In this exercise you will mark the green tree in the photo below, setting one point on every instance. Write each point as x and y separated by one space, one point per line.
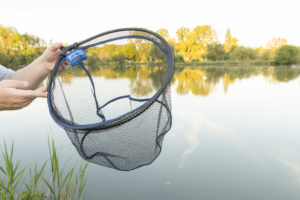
216 52
178 58
243 53
4 59
17 61
93 62
120 57
287 54
265 54
229 41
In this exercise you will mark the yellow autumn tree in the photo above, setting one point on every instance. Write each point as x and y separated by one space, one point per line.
192 45
229 41
200 38
182 46
11 41
164 33
275 44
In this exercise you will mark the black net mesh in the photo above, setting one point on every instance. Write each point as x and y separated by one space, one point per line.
115 106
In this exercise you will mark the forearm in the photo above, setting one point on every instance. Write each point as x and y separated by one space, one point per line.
39 69
34 73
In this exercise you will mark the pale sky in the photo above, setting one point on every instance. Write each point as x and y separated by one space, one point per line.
252 22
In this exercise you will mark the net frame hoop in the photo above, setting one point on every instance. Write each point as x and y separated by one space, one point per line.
123 118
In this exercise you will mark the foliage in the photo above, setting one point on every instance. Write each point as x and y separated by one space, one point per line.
4 59
242 53
120 57
190 45
156 54
182 46
129 51
265 54
216 52
93 61
32 184
287 54
229 41
164 33
178 58
274 45
18 49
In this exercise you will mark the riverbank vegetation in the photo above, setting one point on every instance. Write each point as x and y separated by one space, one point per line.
48 181
199 45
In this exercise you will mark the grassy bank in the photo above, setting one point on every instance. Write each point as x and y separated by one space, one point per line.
32 183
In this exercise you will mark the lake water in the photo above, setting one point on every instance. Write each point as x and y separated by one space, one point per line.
235 135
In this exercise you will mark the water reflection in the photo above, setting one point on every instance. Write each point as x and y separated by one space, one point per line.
146 79
240 145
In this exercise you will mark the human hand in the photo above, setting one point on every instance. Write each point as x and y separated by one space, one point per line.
50 56
13 96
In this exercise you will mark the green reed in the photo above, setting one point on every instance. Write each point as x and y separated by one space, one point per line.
33 184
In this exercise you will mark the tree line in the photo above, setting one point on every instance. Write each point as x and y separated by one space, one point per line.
190 45
19 49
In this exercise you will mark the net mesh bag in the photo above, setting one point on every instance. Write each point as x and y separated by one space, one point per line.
111 94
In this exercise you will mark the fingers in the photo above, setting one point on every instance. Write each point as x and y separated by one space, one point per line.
13 96
32 94
63 66
21 105
27 96
20 87
55 46
41 92
15 84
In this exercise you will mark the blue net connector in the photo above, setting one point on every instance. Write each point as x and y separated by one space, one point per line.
76 56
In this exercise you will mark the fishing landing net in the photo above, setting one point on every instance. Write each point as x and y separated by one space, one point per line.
111 94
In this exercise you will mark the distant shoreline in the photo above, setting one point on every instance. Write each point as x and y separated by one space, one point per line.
228 63
203 63
206 63
195 64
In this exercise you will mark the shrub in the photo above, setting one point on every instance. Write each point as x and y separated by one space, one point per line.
287 54
119 57
178 58
243 53
216 52
4 59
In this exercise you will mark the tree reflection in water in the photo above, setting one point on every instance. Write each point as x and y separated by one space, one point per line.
145 79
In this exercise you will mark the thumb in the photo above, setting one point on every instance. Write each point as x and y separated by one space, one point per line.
15 84
56 46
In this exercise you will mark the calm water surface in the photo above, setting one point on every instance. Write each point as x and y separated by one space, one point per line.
235 135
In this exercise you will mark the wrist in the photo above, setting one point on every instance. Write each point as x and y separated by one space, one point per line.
45 64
